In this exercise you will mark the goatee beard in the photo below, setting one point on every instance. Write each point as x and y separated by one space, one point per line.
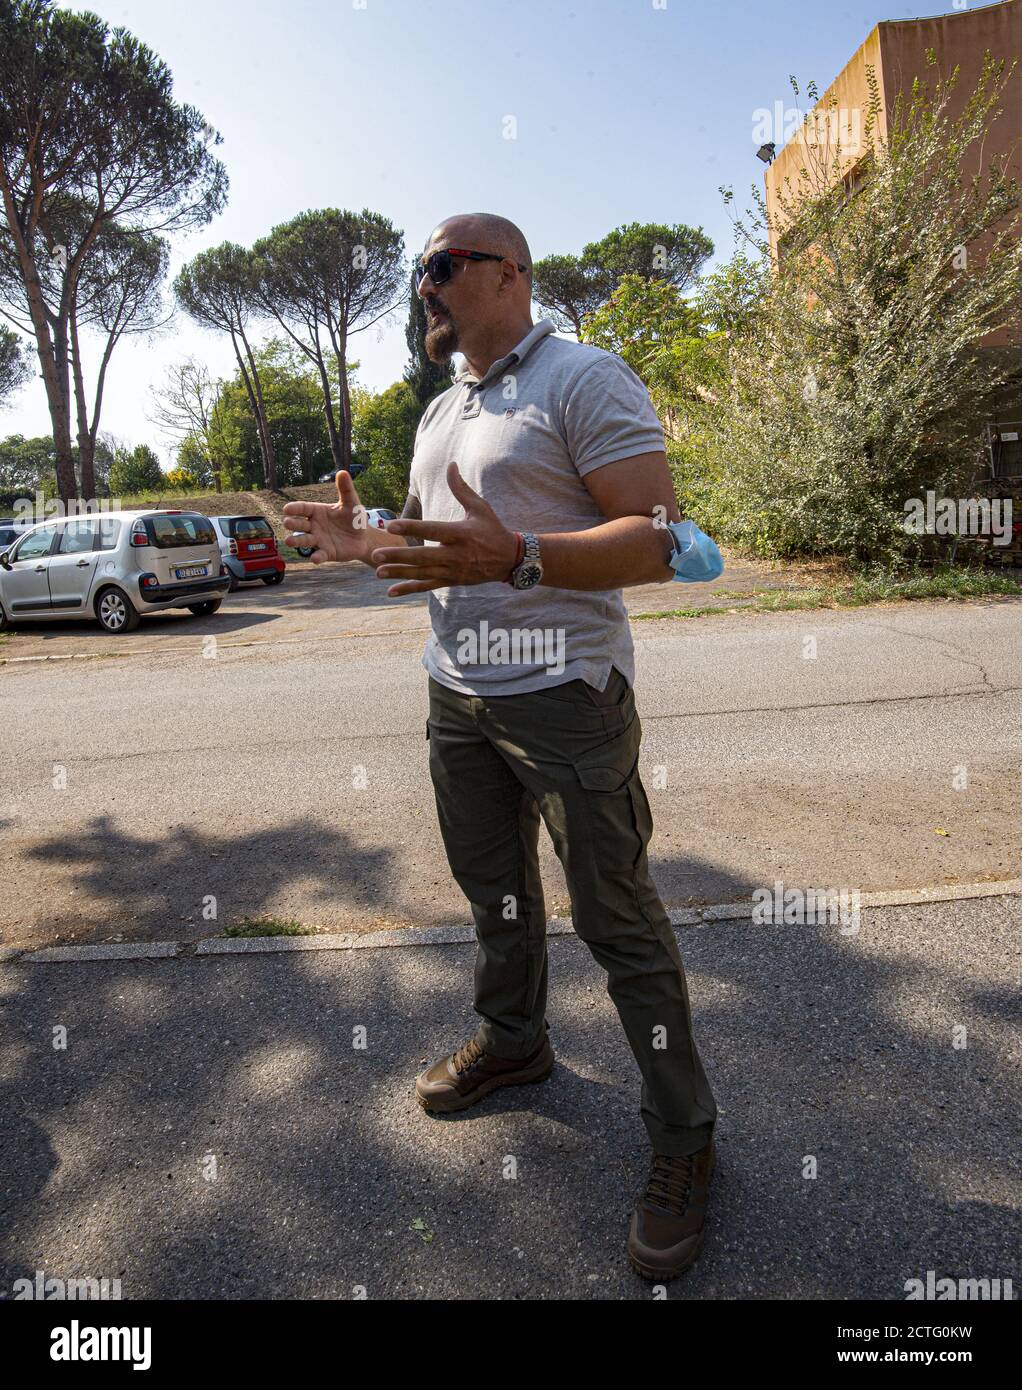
441 341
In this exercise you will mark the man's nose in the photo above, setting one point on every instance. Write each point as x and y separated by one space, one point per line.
426 282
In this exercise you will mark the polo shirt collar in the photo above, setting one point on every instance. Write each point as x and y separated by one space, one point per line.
536 334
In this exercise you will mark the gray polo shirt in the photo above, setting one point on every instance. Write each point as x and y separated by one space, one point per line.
524 437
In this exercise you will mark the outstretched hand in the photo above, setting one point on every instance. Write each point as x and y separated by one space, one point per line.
338 530
477 550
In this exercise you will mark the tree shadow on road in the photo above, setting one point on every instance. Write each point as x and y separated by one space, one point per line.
293 1074
191 883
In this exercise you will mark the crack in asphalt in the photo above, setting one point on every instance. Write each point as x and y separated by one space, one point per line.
319 739
959 655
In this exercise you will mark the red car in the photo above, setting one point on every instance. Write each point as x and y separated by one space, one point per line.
249 549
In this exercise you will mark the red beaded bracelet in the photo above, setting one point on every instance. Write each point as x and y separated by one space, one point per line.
519 556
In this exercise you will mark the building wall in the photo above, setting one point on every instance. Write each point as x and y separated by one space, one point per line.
847 94
896 52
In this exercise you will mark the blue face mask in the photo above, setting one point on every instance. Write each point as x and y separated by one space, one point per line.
696 558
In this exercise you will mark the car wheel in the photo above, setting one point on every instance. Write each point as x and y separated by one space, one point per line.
204 609
305 551
277 578
5 622
234 585
116 612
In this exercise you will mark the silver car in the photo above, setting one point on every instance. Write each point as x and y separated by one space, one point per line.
113 567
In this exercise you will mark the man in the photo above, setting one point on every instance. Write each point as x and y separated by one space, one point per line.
543 480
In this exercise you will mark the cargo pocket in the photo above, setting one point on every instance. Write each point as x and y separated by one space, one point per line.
608 868
609 767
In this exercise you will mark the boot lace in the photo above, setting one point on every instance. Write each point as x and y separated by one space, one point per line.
670 1183
466 1056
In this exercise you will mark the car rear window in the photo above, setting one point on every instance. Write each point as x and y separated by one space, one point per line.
170 532
8 535
245 527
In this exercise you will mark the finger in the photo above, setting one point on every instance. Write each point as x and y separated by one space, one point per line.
408 572
346 493
408 555
416 587
467 496
298 540
426 530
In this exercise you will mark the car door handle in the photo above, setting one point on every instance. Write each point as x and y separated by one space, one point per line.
82 563
40 569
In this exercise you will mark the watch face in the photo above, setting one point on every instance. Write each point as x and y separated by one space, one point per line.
529 575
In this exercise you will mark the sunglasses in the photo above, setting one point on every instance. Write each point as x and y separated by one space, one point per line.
439 267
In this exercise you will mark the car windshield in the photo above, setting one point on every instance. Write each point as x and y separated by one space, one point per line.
168 532
247 527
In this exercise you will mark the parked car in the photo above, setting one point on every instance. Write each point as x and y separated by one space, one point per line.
113 567
354 470
248 548
10 530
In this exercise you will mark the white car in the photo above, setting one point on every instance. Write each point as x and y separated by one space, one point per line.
113 567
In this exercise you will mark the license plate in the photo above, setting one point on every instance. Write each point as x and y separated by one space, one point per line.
191 572
257 547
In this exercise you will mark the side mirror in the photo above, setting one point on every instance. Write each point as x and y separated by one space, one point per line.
5 562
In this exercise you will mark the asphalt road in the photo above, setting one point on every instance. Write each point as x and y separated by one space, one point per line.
283 771
211 1131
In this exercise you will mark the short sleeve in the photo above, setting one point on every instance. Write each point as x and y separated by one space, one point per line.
609 416
415 445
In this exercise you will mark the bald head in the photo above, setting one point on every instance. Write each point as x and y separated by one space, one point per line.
485 231
483 308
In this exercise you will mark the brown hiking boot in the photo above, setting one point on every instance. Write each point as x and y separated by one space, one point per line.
458 1081
667 1224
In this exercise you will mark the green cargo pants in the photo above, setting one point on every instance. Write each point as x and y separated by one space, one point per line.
568 753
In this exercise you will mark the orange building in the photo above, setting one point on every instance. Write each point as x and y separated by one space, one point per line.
895 54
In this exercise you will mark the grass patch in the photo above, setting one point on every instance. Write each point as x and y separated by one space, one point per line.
268 926
152 497
859 592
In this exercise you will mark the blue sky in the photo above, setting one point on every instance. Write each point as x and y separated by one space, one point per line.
626 110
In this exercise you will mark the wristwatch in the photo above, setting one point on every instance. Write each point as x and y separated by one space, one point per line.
529 571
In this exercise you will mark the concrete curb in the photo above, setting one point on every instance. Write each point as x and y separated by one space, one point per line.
459 935
127 950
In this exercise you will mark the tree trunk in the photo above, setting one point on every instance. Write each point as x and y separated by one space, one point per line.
342 370
244 365
86 436
52 353
336 451
269 454
59 401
